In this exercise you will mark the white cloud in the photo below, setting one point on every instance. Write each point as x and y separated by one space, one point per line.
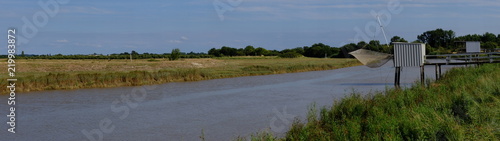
86 10
88 45
180 40
175 41
184 38
62 41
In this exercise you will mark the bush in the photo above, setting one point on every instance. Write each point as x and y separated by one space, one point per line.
175 55
290 55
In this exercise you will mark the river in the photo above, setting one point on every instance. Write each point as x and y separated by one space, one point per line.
222 108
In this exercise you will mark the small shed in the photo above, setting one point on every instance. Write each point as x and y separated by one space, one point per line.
409 54
469 46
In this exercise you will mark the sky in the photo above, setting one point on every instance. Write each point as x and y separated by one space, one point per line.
158 26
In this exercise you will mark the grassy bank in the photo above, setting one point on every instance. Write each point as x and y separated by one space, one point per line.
43 74
464 105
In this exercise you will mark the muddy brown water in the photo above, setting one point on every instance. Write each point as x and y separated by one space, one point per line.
223 108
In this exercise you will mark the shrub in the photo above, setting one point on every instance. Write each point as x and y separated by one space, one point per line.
175 55
290 55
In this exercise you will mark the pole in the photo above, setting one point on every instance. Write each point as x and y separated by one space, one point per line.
422 74
397 77
383 31
437 72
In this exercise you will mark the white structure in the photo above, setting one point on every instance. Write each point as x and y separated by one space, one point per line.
472 46
409 54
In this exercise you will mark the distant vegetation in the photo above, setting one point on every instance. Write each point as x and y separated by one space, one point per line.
464 105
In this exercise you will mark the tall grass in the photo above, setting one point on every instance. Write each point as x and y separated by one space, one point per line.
464 105
38 81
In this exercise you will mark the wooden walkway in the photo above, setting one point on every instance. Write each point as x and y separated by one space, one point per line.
453 59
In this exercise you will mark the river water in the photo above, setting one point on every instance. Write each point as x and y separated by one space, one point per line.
222 109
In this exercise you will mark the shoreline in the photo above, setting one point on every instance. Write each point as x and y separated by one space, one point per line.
80 76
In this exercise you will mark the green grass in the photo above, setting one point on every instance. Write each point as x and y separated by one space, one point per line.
464 105
39 74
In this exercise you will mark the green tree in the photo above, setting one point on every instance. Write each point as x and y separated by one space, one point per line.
215 52
240 52
489 45
361 44
261 51
134 53
249 50
175 55
488 37
473 37
291 54
272 53
320 50
228 51
346 49
298 50
498 39
375 46
438 38
398 39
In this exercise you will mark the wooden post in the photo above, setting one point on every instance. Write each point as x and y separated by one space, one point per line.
437 71
422 74
397 77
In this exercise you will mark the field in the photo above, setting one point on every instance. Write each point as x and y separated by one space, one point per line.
53 74
464 105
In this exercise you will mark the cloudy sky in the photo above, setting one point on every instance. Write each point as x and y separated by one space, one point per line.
158 26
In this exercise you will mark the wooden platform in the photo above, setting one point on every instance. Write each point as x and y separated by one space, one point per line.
452 59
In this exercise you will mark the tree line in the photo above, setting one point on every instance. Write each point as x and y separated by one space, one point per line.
318 50
176 54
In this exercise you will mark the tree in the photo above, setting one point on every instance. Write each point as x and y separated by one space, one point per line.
249 50
22 53
298 50
474 37
320 50
215 52
438 38
261 51
488 37
228 51
498 39
176 53
417 41
272 53
374 45
134 53
361 44
346 49
240 52
290 55
398 39
489 45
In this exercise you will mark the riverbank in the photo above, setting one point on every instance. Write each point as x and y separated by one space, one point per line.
44 74
464 105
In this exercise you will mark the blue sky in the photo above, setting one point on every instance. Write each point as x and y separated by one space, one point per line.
158 26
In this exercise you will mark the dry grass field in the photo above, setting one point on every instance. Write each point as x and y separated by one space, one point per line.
43 74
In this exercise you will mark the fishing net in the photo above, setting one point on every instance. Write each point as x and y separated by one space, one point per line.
370 58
